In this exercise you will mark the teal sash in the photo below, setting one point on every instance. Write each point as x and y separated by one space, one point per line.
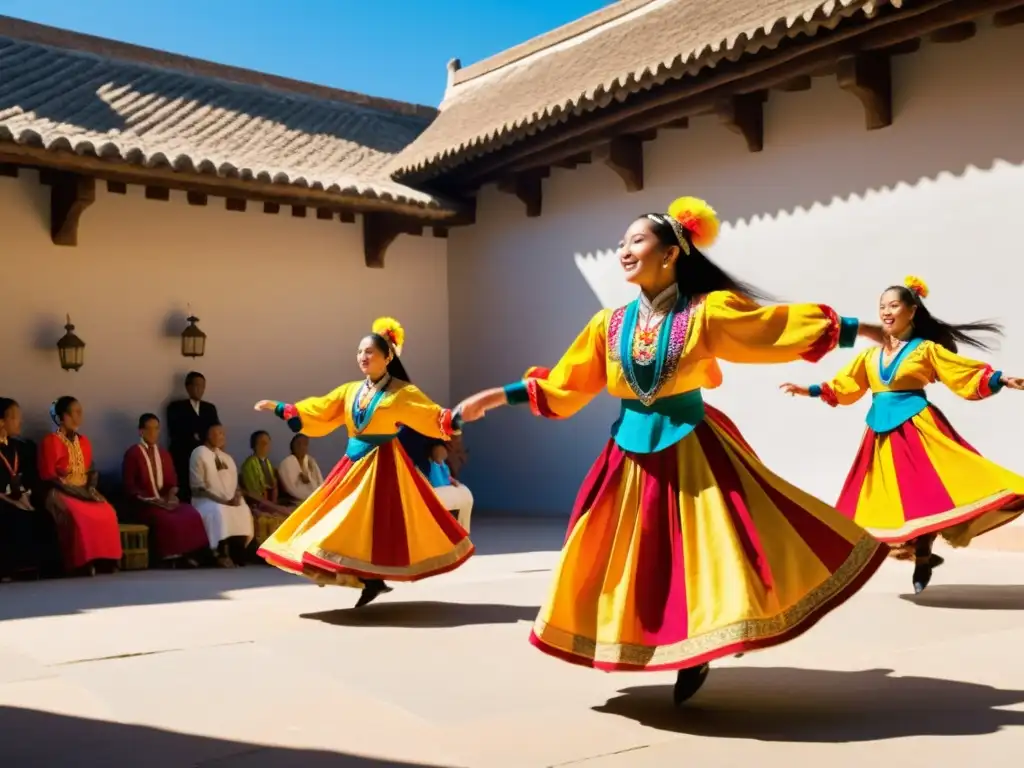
361 446
651 428
891 409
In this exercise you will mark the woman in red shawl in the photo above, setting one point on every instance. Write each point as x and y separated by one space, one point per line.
151 485
86 523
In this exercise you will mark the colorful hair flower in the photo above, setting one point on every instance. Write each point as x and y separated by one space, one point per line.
391 330
916 286
696 217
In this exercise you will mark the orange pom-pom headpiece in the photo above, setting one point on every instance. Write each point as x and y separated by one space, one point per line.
916 286
697 218
391 330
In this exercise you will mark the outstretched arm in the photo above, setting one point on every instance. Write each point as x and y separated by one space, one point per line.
966 378
846 388
560 392
314 416
740 330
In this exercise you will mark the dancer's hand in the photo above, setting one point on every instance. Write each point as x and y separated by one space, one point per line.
1012 383
475 406
795 390
265 405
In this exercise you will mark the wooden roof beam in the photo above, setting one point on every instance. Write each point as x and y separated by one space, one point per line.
528 188
1011 17
745 115
955 33
70 195
868 76
625 156
380 231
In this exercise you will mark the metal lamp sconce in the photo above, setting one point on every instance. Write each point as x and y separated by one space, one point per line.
193 340
71 349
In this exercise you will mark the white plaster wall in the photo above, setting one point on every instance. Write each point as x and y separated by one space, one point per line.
284 302
828 212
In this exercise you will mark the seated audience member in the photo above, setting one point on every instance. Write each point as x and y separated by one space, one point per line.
454 495
86 523
213 476
259 480
28 536
150 484
299 474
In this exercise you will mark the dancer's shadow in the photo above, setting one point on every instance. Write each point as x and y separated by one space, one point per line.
807 705
977 597
426 615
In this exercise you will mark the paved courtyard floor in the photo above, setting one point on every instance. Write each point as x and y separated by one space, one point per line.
253 668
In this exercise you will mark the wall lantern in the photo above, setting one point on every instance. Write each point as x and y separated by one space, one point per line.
71 349
193 340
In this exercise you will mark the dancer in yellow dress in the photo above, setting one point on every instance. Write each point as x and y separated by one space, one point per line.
375 517
682 546
914 477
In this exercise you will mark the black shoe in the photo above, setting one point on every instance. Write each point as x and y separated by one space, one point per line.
922 575
688 682
935 561
371 592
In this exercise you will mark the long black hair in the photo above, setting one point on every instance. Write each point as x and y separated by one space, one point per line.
6 404
927 326
696 274
395 367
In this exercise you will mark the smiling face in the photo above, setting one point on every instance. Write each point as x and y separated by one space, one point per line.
371 360
646 261
895 313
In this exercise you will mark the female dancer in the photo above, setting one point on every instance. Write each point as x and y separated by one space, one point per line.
682 547
914 476
375 517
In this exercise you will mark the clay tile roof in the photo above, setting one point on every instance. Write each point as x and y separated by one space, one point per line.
64 91
624 48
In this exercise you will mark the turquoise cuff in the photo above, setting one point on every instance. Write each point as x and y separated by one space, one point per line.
995 382
814 390
457 421
517 394
848 328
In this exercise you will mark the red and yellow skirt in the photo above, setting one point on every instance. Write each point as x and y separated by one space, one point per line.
923 477
680 557
373 518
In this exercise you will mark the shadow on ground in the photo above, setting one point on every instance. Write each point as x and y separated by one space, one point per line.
977 597
58 597
806 705
33 739
426 615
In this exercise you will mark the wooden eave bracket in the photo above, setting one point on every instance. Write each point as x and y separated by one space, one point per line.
868 76
744 115
528 188
70 195
380 231
625 156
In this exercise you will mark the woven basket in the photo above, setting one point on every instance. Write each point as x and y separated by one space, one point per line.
135 544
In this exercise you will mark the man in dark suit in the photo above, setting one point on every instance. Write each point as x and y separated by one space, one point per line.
187 422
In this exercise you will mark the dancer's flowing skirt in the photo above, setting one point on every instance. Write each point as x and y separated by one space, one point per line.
696 552
373 518
924 478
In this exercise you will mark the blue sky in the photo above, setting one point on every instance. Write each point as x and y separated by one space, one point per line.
396 49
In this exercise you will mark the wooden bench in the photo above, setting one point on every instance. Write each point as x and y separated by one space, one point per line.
135 543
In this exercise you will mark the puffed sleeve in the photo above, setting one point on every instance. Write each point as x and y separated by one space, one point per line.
419 413
316 416
740 330
575 380
848 386
966 378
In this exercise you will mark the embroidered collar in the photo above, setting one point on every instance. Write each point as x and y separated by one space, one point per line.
660 304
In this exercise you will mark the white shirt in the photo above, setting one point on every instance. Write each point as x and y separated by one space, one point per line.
289 471
203 472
